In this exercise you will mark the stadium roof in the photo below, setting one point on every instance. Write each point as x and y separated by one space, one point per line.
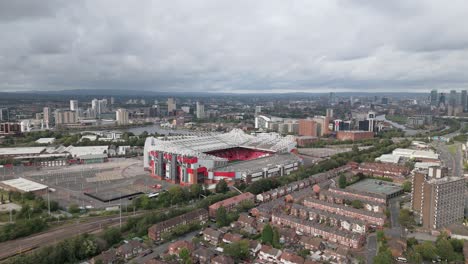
198 145
24 185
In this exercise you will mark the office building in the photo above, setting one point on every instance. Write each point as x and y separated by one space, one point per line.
121 116
200 110
438 202
171 105
63 117
433 98
186 109
442 99
329 113
74 105
4 114
371 118
258 109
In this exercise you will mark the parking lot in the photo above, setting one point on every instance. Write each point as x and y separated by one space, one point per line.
105 183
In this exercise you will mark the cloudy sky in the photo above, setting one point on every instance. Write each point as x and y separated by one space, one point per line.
234 46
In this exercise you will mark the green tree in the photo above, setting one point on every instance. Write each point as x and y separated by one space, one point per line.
221 217
196 190
267 234
355 149
276 238
73 209
184 255
427 250
342 181
357 204
112 236
221 186
406 218
457 244
445 249
384 256
414 257
406 186
238 250
176 194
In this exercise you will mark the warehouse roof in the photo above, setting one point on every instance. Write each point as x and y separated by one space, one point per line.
24 185
83 151
21 151
45 141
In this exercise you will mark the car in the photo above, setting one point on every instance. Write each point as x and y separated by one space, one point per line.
401 259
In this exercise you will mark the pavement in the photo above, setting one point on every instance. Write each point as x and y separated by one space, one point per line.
371 248
453 162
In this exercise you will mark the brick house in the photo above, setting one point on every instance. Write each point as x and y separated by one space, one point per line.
270 254
174 248
196 216
211 235
230 203
203 255
222 260
130 250
290 258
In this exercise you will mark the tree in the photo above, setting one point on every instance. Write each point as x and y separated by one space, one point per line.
276 238
112 236
73 209
184 255
427 250
384 257
357 204
355 149
445 249
222 187
238 250
267 234
342 181
221 217
176 194
406 186
457 244
196 190
411 242
406 218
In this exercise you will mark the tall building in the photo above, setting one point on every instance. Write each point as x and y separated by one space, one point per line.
329 113
112 100
442 99
74 105
464 101
171 105
332 98
307 127
433 99
323 123
63 117
371 118
258 109
99 106
4 114
47 116
453 98
200 110
438 202
121 115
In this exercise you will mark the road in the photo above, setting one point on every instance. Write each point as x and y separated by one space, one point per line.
54 235
452 161
371 248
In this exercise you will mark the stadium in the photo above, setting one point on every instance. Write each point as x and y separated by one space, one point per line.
232 156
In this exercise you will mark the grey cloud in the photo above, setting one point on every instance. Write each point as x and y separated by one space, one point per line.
246 46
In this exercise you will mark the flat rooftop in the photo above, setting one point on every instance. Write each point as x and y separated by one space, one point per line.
21 151
256 165
375 186
24 185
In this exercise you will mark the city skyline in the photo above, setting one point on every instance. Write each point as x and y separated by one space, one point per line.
214 46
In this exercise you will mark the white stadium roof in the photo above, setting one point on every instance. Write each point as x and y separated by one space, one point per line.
197 146
21 151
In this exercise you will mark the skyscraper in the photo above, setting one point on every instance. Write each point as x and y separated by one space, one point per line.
47 116
4 114
200 110
121 115
307 127
453 98
74 105
434 97
99 106
329 113
464 101
171 105
65 117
